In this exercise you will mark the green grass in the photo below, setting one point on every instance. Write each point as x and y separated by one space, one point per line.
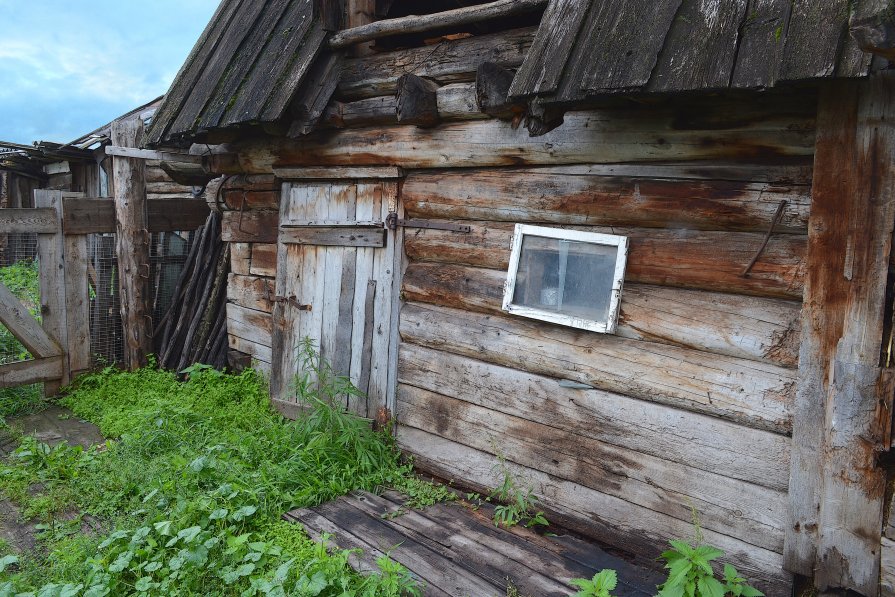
190 492
22 279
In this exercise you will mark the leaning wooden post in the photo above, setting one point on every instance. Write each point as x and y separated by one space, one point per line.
836 489
133 244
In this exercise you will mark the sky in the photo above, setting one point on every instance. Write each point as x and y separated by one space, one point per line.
68 67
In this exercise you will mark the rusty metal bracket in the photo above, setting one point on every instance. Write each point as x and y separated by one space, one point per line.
392 222
291 300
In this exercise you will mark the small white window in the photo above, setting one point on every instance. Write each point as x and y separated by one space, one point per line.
565 276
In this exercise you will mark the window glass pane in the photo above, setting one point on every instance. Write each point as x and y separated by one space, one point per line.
568 277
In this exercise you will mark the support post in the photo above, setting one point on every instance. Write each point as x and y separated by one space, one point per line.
836 488
51 255
133 244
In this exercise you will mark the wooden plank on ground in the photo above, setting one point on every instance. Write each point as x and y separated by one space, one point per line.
47 370
596 514
19 321
707 443
27 220
747 327
748 392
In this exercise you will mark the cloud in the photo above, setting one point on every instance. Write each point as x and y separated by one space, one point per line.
68 67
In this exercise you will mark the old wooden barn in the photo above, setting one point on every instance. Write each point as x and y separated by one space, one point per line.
639 249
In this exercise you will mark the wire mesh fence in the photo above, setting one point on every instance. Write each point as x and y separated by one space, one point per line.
19 272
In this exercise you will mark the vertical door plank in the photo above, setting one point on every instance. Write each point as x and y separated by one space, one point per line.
383 265
77 296
337 210
313 270
342 357
367 206
400 265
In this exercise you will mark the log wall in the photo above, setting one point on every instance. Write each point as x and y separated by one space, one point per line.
688 405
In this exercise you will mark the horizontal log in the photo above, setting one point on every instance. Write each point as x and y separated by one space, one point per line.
454 102
430 22
168 187
258 352
91 216
748 512
683 258
349 173
451 61
598 136
156 174
532 195
249 324
187 196
593 513
149 154
14 220
264 260
236 199
334 236
251 292
23 373
18 320
256 226
747 392
692 439
739 326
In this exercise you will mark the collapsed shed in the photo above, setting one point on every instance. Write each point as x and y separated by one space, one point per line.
735 157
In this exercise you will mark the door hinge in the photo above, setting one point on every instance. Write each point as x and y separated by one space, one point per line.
392 222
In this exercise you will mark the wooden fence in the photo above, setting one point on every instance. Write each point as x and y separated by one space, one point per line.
60 343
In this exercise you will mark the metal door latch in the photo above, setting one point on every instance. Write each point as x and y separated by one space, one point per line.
392 222
291 300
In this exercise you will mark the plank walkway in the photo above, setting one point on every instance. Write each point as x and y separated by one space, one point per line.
456 551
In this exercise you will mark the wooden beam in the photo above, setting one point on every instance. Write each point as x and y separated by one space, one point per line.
22 220
417 101
334 236
24 327
51 254
441 20
150 154
92 216
492 86
836 487
133 243
338 173
23 373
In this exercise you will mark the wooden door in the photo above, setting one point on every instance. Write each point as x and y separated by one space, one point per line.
336 266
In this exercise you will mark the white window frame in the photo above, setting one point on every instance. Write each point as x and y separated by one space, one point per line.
620 242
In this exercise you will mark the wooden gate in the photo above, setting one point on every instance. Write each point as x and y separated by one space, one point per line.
336 266
60 344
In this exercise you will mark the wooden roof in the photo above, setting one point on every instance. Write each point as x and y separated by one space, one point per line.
245 69
586 48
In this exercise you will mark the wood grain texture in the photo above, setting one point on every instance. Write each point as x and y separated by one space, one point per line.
252 292
700 47
707 443
91 216
256 226
762 39
27 220
18 320
51 257
601 136
594 513
264 260
22 373
744 327
451 61
685 258
748 512
754 394
543 196
132 245
240 258
813 37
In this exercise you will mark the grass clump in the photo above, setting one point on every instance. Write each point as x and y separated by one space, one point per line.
191 489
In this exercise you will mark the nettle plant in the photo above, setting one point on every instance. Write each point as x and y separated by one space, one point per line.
518 504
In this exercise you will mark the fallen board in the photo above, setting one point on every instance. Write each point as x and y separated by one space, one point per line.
456 550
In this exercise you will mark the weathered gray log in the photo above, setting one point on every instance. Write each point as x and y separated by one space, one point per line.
186 174
133 241
441 20
416 101
754 394
739 326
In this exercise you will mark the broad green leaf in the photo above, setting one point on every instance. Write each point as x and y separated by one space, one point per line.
709 587
8 560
